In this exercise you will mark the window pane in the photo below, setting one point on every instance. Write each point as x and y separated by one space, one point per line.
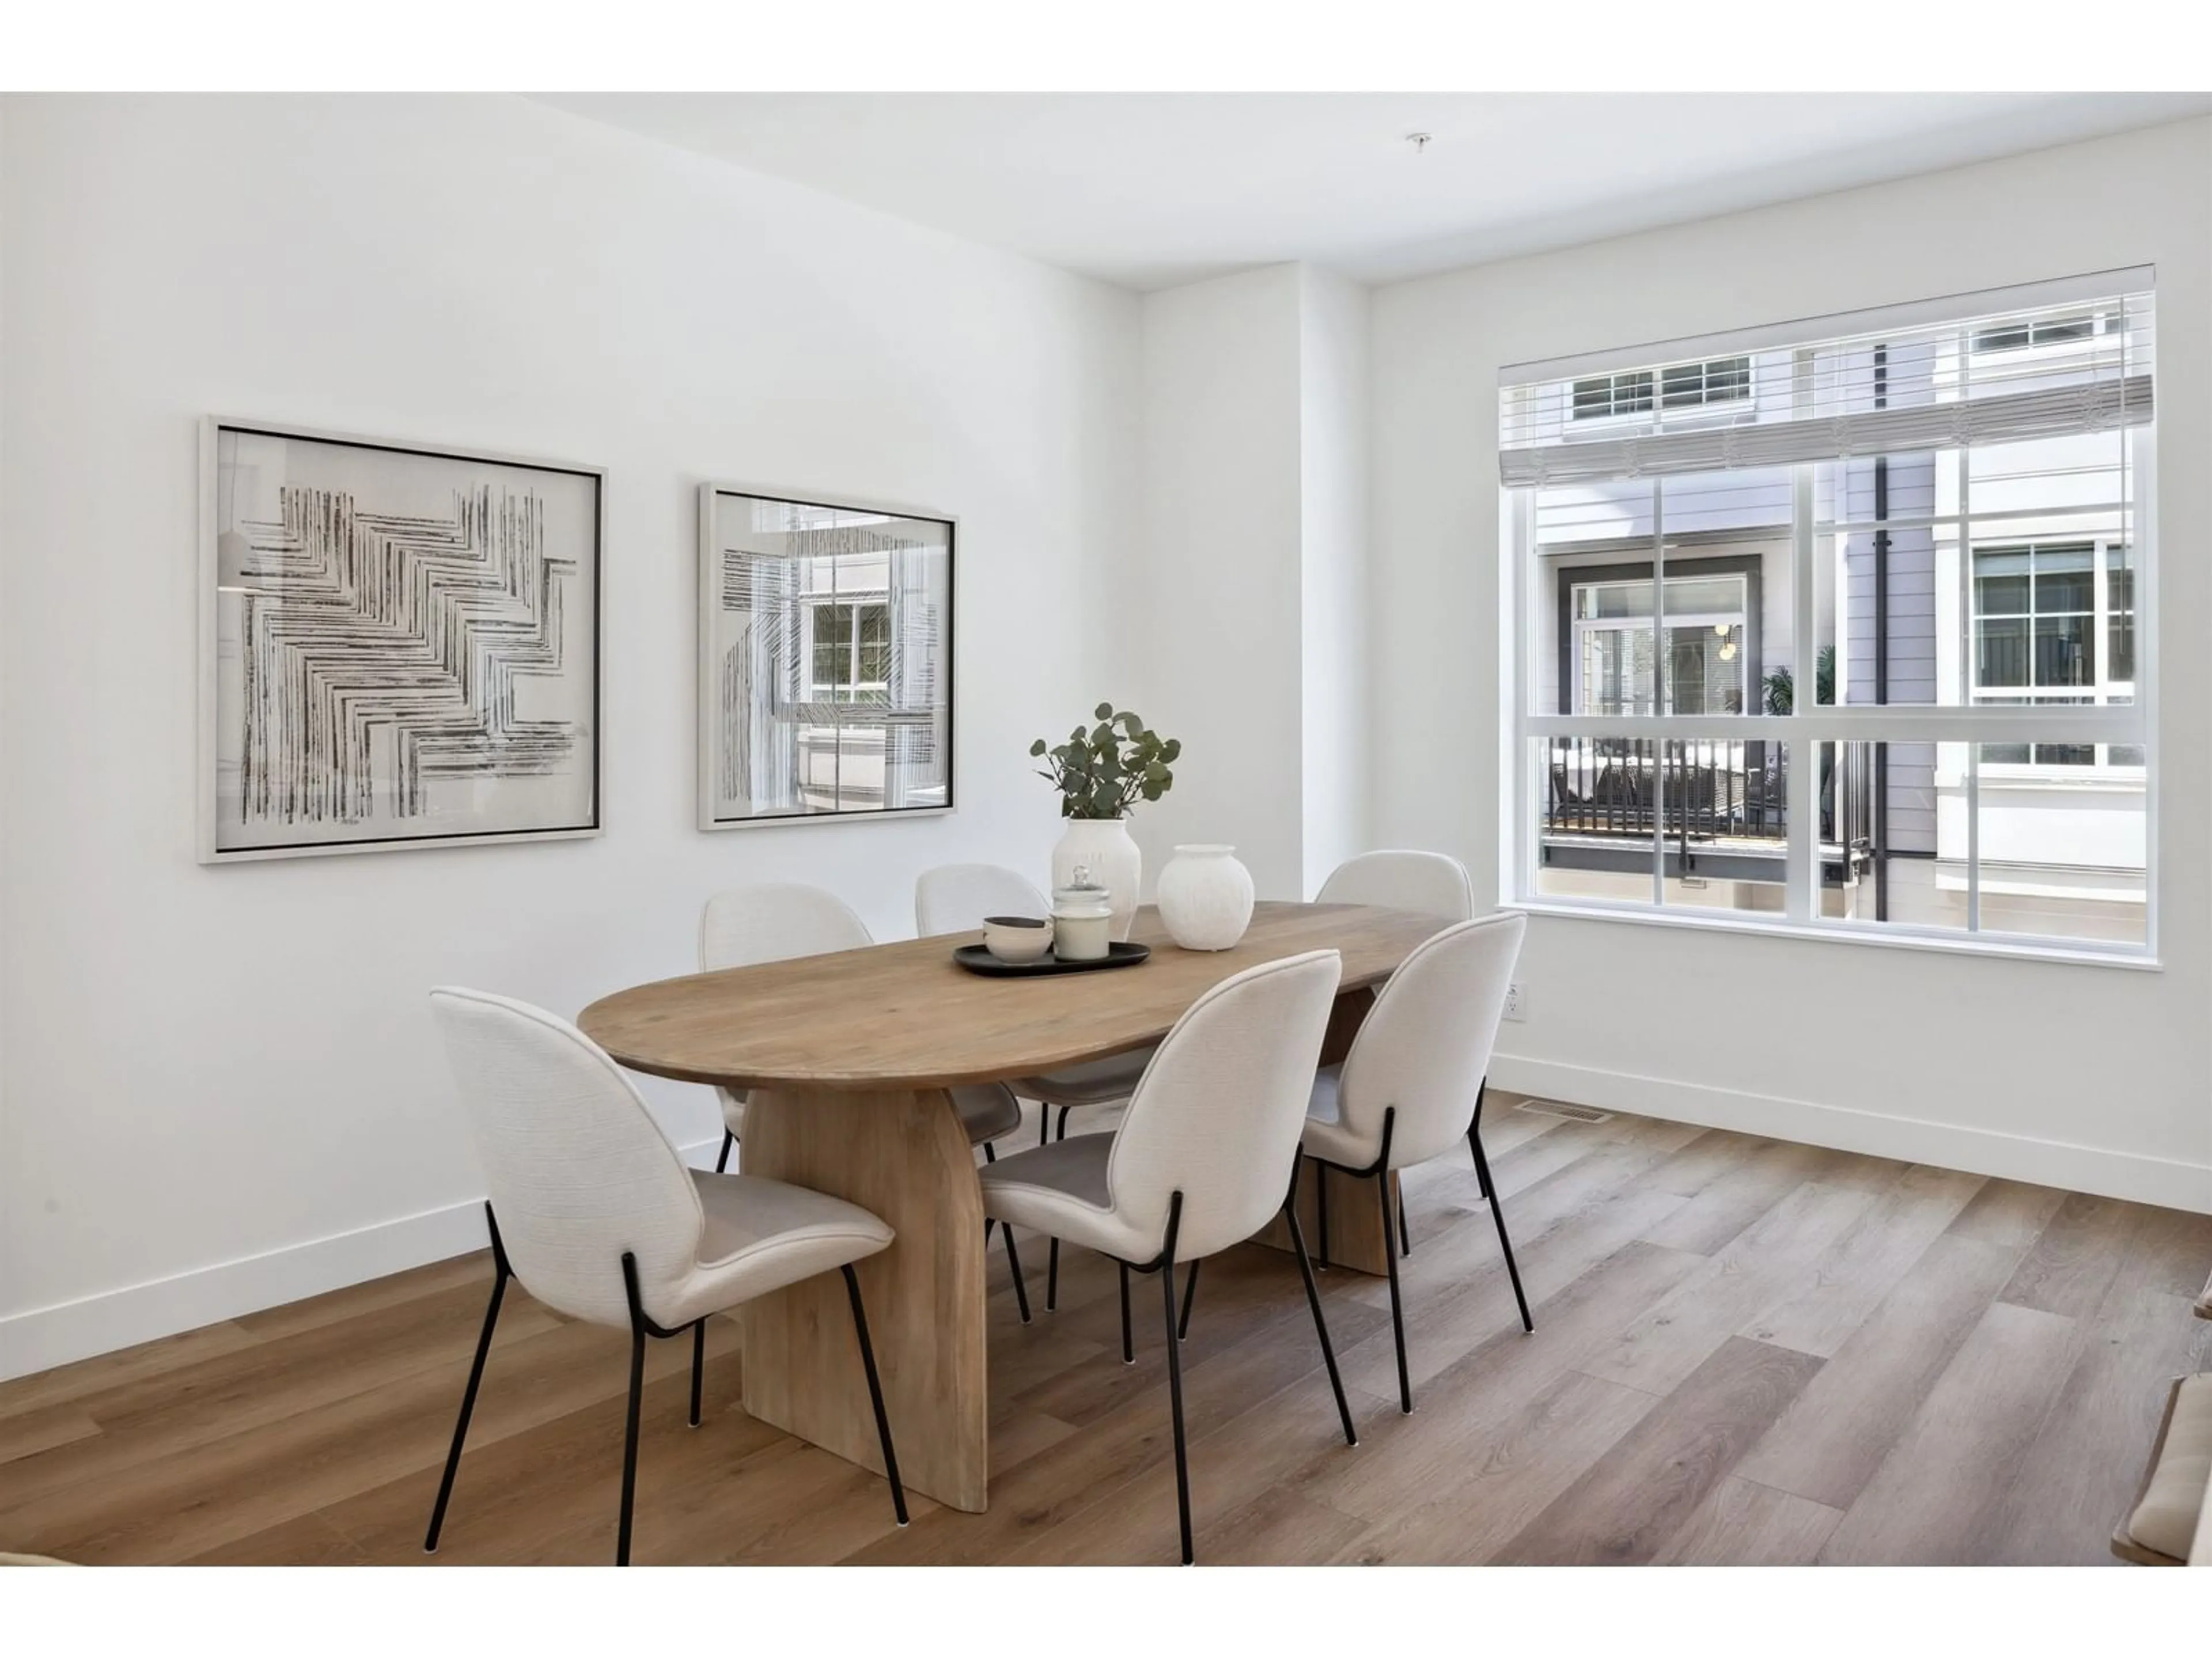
2065 579
2061 848
1885 815
1594 818
1725 822
2000 582
2001 652
2065 650
1616 671
1887 598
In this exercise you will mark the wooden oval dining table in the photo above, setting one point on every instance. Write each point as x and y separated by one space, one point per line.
846 1059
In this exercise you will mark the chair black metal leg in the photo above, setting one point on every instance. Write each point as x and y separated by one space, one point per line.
1397 1306
1052 1277
698 1366
1059 1129
1497 1215
1405 1233
629 1440
1128 1343
1044 1123
501 1274
1189 1297
876 1389
1474 1139
990 1155
1174 1376
1320 1325
1321 1210
1014 1264
722 1163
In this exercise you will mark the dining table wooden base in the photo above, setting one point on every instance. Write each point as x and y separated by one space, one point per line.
903 1155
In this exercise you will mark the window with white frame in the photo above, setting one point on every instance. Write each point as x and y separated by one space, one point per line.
1872 657
1679 386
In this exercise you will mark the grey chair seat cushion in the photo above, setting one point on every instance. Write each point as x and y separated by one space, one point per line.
1324 1135
1061 1189
1094 1083
987 1111
762 1235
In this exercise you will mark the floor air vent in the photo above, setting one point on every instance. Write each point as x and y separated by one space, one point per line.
1560 1108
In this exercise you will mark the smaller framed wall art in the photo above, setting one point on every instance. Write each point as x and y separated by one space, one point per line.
399 647
825 660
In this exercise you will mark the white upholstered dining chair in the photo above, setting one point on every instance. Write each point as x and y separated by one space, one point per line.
778 922
1205 1156
1412 1086
1396 878
954 898
1433 884
594 1210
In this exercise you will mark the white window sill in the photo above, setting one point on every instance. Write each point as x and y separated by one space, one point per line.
1882 936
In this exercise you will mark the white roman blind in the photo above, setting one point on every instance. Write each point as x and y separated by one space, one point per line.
2051 360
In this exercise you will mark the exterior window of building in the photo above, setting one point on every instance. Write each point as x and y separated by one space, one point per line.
851 651
1870 662
1681 387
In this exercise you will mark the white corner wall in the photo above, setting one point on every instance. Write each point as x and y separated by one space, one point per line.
1244 619
1333 619
2092 1078
218 1087
1209 612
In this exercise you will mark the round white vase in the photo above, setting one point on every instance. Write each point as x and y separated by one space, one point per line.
1205 898
1104 847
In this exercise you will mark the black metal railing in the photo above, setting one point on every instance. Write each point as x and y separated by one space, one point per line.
1700 791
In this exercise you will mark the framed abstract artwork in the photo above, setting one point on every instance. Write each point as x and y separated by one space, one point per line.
399 645
825 660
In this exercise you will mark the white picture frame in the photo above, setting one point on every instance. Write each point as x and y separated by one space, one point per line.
333 750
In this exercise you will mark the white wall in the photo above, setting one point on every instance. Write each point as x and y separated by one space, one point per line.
2087 1077
1210 614
211 1066
1247 610
1332 555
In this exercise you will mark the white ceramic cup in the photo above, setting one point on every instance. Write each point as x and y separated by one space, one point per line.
1017 939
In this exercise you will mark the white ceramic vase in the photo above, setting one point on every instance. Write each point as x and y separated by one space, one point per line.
1205 898
1103 846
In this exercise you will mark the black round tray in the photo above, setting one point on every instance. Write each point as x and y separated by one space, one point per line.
977 960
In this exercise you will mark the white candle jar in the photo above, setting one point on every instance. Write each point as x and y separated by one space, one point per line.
1082 918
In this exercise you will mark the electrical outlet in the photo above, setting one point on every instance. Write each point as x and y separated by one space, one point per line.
1516 1001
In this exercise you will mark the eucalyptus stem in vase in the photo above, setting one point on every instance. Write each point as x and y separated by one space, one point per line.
1101 771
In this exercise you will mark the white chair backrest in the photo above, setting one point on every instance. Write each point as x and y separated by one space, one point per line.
578 1170
1218 1112
1430 883
954 898
1426 1044
774 923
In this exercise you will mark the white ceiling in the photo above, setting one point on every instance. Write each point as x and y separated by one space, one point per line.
1154 189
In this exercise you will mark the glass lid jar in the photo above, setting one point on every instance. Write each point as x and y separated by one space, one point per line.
1082 897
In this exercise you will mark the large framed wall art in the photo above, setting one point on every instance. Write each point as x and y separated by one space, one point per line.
400 645
825 660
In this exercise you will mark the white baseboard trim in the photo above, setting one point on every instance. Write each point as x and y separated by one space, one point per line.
39 1338
2166 1182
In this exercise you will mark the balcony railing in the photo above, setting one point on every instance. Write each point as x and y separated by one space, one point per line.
1721 806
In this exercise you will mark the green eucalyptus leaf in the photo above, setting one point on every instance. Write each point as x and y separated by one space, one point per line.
1103 712
1037 748
1171 749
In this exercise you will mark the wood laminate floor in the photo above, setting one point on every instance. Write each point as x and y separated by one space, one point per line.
1746 1352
